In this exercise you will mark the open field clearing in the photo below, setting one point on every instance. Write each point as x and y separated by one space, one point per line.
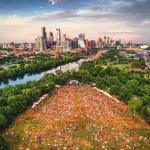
78 117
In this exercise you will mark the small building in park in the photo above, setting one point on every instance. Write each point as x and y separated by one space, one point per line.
74 82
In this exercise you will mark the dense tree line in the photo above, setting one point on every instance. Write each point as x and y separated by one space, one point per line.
36 66
9 59
131 88
138 64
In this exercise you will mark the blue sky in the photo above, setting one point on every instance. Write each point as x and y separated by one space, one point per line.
21 21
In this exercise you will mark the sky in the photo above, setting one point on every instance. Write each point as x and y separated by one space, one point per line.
21 21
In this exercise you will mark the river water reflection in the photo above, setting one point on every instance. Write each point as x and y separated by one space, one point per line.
31 77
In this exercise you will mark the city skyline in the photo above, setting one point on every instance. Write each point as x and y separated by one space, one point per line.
20 21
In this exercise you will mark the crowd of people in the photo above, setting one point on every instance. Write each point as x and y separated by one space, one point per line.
77 117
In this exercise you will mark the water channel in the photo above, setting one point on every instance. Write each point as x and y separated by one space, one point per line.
31 77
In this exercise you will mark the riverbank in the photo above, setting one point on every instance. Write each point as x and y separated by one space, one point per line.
36 75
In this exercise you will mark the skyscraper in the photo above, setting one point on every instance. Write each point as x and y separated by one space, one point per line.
108 41
44 33
81 42
50 40
83 36
92 44
112 43
99 43
120 41
30 46
58 37
51 36
44 37
75 43
132 43
105 39
87 43
39 44
66 44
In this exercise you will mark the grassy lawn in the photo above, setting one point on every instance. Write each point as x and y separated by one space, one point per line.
78 117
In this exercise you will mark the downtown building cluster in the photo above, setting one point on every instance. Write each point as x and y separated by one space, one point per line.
62 43
65 44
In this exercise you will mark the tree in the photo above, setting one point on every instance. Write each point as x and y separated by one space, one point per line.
113 80
133 85
31 95
18 102
100 82
134 104
3 121
125 94
3 101
145 100
148 111
3 145
114 89
8 91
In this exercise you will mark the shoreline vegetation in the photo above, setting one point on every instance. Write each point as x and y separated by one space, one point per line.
127 84
40 63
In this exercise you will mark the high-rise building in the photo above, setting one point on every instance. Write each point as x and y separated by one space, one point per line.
44 37
92 44
120 41
31 46
66 44
132 43
112 43
50 40
105 39
58 37
117 43
51 37
81 42
108 41
44 32
101 43
39 45
87 43
83 36
75 43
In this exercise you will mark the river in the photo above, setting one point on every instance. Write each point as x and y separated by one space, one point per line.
31 77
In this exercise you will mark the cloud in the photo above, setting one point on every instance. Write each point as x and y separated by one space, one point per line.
146 22
15 20
53 2
137 12
54 15
12 16
37 12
